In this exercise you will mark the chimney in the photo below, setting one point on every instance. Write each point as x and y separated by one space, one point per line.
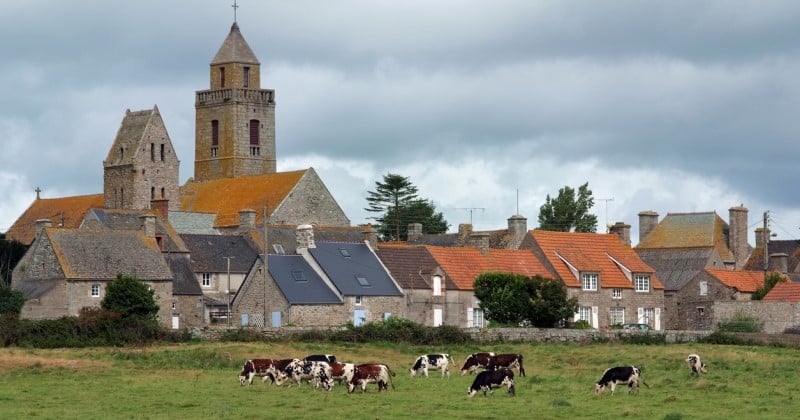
517 228
161 207
480 240
41 224
148 225
737 234
370 236
647 222
779 262
464 230
414 231
305 236
247 220
623 231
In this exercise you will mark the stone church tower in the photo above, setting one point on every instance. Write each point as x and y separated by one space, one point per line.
142 165
235 119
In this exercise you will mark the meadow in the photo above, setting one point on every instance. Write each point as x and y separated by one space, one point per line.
200 380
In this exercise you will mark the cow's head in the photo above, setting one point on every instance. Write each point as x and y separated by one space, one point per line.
704 368
469 365
420 363
247 369
280 378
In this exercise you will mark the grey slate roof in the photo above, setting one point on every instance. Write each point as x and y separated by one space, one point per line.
310 289
345 262
411 266
790 247
129 135
183 279
234 49
208 253
194 223
675 267
121 219
286 236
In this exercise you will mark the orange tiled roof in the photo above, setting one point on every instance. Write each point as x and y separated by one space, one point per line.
463 265
226 197
593 252
743 281
69 209
784 291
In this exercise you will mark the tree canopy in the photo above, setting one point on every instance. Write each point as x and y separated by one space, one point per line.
397 202
11 300
11 251
129 297
567 213
514 299
770 280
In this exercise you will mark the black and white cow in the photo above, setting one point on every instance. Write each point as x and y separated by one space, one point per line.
475 361
697 366
327 358
490 379
630 375
440 361
317 373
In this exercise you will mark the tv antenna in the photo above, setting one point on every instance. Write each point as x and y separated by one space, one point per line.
470 210
608 225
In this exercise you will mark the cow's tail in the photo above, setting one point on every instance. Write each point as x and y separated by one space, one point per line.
391 374
645 384
521 368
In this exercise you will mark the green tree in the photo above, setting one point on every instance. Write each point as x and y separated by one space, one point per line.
417 211
398 204
11 251
129 297
513 299
11 300
566 212
770 280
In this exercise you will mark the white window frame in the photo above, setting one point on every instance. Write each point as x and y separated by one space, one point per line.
94 290
616 293
207 280
617 315
437 285
438 317
703 288
359 300
475 318
584 314
589 281
642 283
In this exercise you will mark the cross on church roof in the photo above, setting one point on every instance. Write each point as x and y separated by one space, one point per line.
235 6
38 190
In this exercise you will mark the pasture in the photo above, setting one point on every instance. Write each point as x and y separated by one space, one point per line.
200 380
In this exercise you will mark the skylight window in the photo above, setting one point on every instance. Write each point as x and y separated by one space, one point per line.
345 252
362 280
299 276
279 249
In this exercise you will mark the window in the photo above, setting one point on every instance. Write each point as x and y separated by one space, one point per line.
703 288
222 77
162 152
701 311
617 316
642 283
590 281
153 152
585 314
437 285
162 192
299 276
437 317
616 293
152 193
358 300
475 318
387 315
255 141
647 316
362 280
246 77
345 252
214 152
214 132
279 249
173 306
95 289
206 279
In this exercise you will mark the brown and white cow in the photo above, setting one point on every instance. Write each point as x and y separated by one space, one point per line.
697 366
266 368
364 374
440 361
624 375
475 361
488 380
317 373
509 360
342 371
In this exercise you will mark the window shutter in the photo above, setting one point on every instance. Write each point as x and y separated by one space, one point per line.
640 314
470 323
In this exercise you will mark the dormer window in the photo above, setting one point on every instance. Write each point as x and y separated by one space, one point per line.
437 285
279 249
589 281
642 283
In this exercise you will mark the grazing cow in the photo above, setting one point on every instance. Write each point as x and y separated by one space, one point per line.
696 365
371 373
439 361
317 373
490 379
506 361
327 358
475 361
342 371
629 375
266 368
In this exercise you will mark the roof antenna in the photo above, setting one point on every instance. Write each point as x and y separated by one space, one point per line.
235 6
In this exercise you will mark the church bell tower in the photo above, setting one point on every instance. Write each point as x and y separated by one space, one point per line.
235 118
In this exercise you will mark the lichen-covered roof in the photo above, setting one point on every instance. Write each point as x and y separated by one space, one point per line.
192 222
463 265
65 212
125 219
235 49
604 254
226 197
743 281
689 230
789 247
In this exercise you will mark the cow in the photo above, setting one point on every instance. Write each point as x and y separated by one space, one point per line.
368 373
439 361
327 358
342 371
488 380
317 373
475 361
696 365
630 375
506 361
266 368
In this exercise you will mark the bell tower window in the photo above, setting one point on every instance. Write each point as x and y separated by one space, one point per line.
246 77
255 141
214 138
222 77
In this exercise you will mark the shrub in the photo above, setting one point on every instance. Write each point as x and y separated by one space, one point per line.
11 300
740 322
129 297
581 325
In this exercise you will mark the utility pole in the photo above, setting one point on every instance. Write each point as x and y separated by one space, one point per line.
266 266
228 292
766 241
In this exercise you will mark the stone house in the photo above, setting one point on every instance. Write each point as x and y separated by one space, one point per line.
682 245
65 270
612 284
695 301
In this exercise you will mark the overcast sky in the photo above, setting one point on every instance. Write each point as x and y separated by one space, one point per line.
487 106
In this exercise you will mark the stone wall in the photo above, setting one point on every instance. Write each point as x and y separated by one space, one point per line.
775 316
310 202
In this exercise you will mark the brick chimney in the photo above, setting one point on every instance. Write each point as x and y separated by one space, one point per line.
41 224
647 222
148 223
161 207
737 235
414 231
517 228
480 240
623 231
247 220
779 262
370 236
305 236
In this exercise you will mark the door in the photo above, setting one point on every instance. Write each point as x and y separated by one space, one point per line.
437 317
276 319
176 322
359 317
245 320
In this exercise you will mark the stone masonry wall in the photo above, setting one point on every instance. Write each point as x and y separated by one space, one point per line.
775 316
310 203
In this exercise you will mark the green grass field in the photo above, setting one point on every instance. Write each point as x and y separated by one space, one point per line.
201 381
